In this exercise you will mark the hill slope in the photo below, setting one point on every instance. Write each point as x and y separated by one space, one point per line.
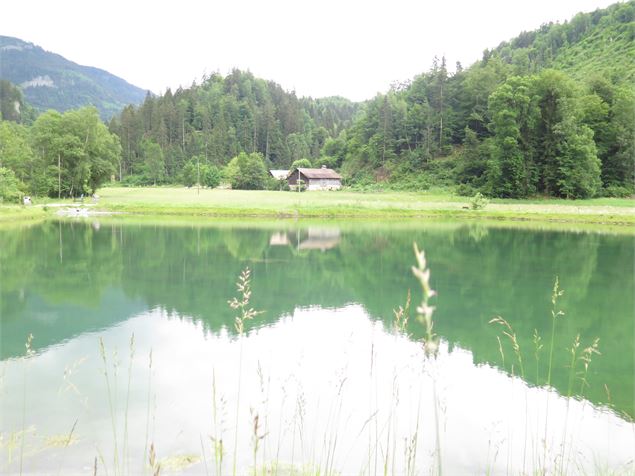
544 113
599 42
50 81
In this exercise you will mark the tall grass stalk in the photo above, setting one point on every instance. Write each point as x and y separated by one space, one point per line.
585 357
145 448
555 314
125 454
27 357
241 304
430 340
102 351
511 335
67 442
203 455
537 340
265 407
217 437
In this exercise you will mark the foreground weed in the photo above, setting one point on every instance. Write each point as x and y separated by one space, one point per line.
27 357
430 340
511 335
121 456
401 316
148 405
245 313
218 414
424 310
153 462
555 314
578 364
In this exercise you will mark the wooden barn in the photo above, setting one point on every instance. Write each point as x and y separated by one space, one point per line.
316 179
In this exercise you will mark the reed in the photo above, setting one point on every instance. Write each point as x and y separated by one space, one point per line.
28 354
430 341
245 313
145 448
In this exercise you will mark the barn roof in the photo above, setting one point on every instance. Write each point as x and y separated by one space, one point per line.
322 173
279 174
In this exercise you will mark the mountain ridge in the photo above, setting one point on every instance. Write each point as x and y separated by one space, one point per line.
50 81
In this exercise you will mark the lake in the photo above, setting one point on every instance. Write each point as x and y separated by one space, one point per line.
136 362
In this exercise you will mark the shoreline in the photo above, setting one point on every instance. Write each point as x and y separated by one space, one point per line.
475 216
346 205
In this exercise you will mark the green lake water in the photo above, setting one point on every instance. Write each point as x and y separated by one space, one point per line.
321 370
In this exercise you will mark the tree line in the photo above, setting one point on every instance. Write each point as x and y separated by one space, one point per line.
212 122
548 113
58 155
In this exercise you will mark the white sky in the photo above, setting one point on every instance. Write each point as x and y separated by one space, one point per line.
351 48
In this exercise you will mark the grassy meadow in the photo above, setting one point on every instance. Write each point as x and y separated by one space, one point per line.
192 201
182 201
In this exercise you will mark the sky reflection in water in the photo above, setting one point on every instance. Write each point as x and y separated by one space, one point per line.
328 382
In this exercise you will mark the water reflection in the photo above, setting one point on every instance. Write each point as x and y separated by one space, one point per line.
331 387
312 238
65 281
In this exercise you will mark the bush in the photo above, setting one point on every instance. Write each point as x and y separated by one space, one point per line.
616 191
478 201
189 173
10 187
275 184
247 172
329 162
304 163
135 180
465 190
210 176
415 183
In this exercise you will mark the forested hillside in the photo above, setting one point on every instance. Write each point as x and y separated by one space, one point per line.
600 41
223 116
50 81
512 125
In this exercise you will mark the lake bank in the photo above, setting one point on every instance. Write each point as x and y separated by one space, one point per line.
191 202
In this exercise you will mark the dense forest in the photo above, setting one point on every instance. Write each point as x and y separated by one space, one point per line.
212 122
550 113
512 125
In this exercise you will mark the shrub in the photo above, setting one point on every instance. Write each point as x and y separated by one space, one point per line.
247 172
135 180
210 176
478 201
330 162
189 173
616 191
275 184
10 187
304 163
465 190
415 183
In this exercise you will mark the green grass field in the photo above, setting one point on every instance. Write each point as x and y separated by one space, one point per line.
181 201
190 201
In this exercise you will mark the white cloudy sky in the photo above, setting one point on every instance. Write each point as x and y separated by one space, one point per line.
352 48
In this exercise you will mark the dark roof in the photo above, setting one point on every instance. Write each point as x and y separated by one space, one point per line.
322 173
